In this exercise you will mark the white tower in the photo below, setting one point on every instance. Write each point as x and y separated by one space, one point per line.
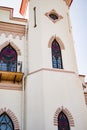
53 93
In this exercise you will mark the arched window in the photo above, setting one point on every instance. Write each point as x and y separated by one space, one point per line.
8 59
6 122
63 123
56 55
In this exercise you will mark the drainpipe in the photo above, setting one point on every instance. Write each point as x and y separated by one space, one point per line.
22 112
24 79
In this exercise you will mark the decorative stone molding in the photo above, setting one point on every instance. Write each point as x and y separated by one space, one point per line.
12 44
68 2
11 86
58 40
67 113
56 18
11 10
12 29
12 116
53 70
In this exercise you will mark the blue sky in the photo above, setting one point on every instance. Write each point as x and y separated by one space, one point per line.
78 15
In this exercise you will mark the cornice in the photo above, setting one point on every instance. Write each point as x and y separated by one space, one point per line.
53 70
11 86
12 29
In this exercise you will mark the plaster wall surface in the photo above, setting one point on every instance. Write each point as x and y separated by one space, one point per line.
46 92
64 89
12 100
34 105
40 35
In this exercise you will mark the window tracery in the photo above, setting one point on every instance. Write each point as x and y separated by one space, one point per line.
6 122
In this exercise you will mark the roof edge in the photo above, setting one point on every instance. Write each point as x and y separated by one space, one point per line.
11 10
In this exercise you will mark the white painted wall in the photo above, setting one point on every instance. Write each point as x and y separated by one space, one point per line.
5 16
46 91
12 100
34 104
64 89
39 37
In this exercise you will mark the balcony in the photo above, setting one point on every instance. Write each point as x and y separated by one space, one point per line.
11 72
11 67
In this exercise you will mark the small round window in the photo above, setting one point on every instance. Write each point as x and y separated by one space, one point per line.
53 16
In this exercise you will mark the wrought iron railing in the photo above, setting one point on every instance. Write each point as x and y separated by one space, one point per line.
11 66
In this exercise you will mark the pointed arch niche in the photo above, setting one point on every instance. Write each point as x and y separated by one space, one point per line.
13 46
65 114
8 120
58 40
56 46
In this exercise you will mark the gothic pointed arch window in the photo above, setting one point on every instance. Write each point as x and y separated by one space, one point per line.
56 55
6 122
63 123
8 59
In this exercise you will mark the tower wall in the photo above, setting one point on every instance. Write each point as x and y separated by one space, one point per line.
48 89
40 35
12 100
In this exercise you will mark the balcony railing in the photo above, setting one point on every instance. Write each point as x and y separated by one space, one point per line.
11 66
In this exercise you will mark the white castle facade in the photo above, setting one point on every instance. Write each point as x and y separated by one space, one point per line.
40 88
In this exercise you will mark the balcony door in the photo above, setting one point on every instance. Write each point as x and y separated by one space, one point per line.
8 59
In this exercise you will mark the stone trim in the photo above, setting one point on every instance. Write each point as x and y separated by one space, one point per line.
12 29
12 116
67 113
54 70
10 86
58 40
68 2
12 44
11 10
53 12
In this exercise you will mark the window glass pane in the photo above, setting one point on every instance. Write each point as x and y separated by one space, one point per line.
5 122
56 55
53 16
